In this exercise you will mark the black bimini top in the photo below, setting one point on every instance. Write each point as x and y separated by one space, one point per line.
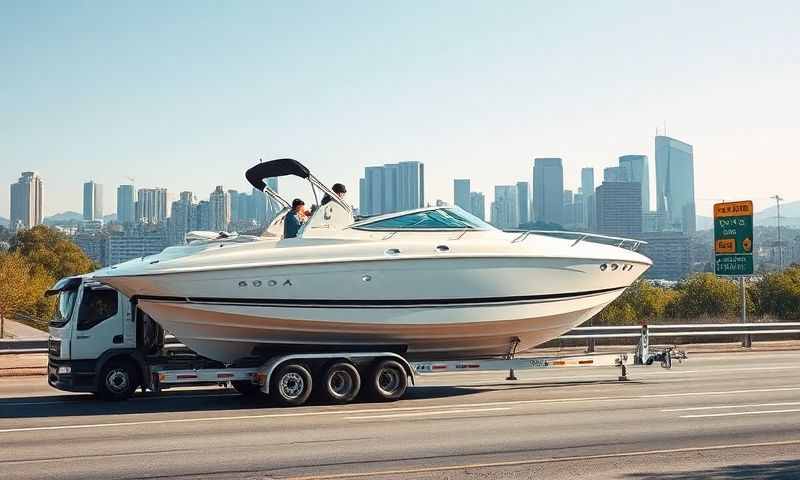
275 168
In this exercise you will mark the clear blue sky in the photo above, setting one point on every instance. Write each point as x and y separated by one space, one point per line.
187 95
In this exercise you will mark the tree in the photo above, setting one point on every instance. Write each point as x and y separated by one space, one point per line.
778 294
14 274
705 295
51 251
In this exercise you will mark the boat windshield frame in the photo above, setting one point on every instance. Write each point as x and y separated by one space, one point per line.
470 222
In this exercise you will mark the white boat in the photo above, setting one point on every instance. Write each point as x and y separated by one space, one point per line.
428 283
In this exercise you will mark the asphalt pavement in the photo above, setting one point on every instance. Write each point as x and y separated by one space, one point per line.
718 415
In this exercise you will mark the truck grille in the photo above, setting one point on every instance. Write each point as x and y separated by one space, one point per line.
54 347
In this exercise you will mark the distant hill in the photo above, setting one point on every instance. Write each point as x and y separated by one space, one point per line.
790 217
4 222
110 218
63 217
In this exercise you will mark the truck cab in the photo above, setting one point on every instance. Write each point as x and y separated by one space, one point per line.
99 341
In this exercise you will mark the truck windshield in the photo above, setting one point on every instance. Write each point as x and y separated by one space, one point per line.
66 301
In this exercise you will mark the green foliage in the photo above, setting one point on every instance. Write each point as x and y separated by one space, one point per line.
641 302
51 251
778 294
705 295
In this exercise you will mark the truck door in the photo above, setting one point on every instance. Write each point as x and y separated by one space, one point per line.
100 323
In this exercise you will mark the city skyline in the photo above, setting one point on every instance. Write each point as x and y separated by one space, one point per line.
476 93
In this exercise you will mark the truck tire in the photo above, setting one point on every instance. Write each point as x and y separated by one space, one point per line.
118 380
246 387
388 381
340 383
291 385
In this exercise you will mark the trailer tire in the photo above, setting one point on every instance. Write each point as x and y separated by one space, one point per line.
388 381
245 387
118 380
341 383
291 385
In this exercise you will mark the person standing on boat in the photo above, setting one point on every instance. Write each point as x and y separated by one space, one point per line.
338 189
294 219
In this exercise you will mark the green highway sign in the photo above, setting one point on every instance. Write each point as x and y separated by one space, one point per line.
733 238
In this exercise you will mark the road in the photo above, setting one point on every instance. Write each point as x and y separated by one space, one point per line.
717 415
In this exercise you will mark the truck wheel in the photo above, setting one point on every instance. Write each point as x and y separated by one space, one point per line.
245 387
388 381
291 385
341 382
118 380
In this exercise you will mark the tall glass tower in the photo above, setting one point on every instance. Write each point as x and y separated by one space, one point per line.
675 184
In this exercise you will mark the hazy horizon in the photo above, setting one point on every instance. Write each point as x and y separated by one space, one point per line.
188 95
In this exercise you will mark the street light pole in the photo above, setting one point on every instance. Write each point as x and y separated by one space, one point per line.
778 200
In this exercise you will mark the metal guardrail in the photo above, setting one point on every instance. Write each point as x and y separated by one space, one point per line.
580 333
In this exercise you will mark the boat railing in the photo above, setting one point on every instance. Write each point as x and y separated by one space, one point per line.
628 243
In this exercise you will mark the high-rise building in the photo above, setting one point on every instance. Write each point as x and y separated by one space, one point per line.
182 218
504 207
92 201
615 174
619 208
461 191
670 254
392 188
137 241
126 204
548 190
637 170
675 184
477 205
219 204
26 201
587 188
151 206
568 211
523 202
204 215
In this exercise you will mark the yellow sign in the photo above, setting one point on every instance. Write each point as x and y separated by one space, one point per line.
733 209
725 245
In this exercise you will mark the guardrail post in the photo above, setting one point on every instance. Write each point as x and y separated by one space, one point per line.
590 345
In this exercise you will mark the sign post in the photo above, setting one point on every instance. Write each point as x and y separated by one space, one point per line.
733 246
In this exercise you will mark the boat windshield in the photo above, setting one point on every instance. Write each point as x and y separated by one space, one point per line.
450 218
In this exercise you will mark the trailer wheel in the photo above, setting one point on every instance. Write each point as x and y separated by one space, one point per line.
118 380
388 381
245 387
291 385
341 382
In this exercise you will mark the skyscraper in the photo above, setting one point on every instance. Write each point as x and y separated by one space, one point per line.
461 190
615 174
619 208
548 190
126 204
182 219
675 184
151 206
637 170
504 207
523 202
92 201
26 201
392 188
587 188
477 205
219 205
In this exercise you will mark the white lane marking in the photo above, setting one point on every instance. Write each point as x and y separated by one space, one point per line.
720 407
422 414
398 409
77 399
640 453
736 414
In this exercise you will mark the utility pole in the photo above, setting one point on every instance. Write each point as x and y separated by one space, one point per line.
778 200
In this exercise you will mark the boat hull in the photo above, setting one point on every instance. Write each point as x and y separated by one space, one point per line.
227 332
